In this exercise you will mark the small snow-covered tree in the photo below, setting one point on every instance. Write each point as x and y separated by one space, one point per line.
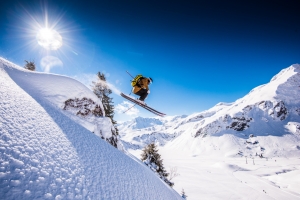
30 65
183 195
101 89
152 159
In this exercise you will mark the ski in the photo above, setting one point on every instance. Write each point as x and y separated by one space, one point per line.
142 105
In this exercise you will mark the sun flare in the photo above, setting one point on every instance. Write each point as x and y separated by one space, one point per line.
49 39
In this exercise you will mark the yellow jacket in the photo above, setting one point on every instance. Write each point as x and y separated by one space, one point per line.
143 83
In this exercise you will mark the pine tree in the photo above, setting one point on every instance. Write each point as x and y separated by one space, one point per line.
30 65
152 159
101 89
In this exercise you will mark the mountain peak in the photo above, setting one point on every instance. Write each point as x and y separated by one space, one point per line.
287 72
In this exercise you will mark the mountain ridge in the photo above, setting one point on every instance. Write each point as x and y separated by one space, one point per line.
271 109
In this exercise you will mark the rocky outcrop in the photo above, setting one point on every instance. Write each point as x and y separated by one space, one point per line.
277 109
83 107
90 111
281 110
241 121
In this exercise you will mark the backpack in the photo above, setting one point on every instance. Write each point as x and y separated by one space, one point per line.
135 81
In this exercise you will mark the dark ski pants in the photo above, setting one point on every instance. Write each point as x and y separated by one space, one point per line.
142 93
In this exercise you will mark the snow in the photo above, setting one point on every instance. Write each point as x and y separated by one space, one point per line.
248 149
50 153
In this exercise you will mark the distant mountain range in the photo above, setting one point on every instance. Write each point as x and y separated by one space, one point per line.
270 113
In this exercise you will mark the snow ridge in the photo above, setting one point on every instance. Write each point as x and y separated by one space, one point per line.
48 153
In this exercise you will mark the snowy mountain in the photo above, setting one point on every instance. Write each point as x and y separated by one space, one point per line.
51 143
141 131
248 149
271 110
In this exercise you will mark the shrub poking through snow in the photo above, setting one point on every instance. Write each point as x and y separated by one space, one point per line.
173 173
152 159
30 65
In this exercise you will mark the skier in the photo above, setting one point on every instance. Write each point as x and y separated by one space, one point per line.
141 87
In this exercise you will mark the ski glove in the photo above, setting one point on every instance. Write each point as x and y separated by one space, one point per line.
148 91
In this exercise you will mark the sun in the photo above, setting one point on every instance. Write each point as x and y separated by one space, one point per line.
49 39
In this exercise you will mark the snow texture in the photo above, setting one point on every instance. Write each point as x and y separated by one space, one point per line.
50 153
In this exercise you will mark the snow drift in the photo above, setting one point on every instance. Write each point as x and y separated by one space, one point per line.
47 152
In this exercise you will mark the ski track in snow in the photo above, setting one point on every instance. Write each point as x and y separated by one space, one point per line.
46 155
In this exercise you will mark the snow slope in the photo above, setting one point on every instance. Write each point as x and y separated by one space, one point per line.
50 153
210 148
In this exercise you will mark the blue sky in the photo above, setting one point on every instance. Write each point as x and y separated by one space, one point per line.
198 53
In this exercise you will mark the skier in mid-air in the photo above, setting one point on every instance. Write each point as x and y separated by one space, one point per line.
140 86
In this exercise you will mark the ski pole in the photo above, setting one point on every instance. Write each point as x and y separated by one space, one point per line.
131 77
129 74
129 108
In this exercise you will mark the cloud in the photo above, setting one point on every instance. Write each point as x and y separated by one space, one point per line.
49 62
122 107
